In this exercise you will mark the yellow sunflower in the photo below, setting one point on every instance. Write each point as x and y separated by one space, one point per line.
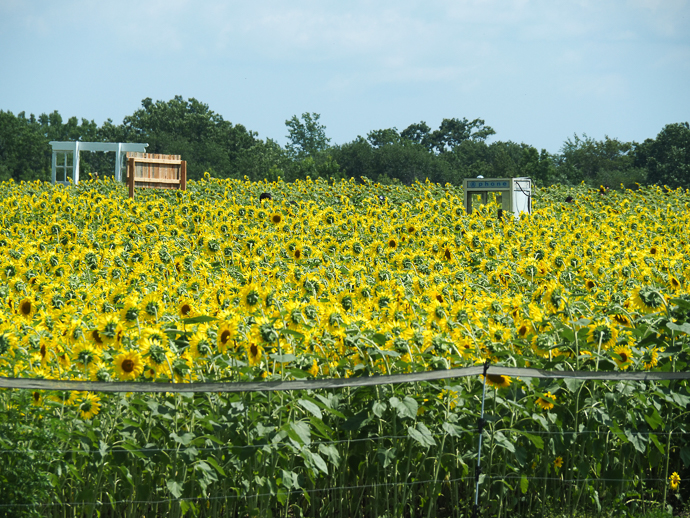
36 398
255 353
623 357
674 479
128 365
186 308
546 401
158 357
200 345
497 380
26 308
227 331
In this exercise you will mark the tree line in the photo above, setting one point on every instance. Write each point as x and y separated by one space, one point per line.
457 149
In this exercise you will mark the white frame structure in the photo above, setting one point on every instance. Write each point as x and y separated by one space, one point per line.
75 147
516 193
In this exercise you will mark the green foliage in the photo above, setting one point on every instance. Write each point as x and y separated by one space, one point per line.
592 161
668 157
450 133
190 129
24 465
457 149
307 136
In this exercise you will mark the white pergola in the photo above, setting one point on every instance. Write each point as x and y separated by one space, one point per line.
76 146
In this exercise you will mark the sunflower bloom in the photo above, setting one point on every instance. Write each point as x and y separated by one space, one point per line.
674 479
26 308
623 357
128 365
546 401
254 353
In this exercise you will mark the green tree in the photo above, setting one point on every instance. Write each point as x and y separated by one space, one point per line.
306 136
264 160
451 133
24 150
189 128
385 156
607 161
668 156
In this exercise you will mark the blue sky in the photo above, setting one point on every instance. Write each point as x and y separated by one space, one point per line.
535 71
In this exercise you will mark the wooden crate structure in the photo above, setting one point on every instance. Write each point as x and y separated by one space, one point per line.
155 171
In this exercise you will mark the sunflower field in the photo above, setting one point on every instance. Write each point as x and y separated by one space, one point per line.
341 279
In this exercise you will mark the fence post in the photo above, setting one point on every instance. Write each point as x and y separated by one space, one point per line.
480 428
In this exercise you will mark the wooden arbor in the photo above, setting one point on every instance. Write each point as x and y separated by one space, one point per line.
155 171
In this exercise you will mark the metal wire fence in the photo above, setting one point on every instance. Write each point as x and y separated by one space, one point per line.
508 483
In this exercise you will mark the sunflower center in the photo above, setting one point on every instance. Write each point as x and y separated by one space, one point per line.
185 309
225 337
254 350
128 365
25 308
496 378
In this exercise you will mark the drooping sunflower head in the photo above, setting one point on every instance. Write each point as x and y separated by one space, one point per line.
648 300
151 306
84 354
89 406
498 380
201 346
108 329
650 358
130 310
602 333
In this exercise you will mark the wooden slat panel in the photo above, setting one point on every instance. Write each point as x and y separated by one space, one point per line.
155 171
157 160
